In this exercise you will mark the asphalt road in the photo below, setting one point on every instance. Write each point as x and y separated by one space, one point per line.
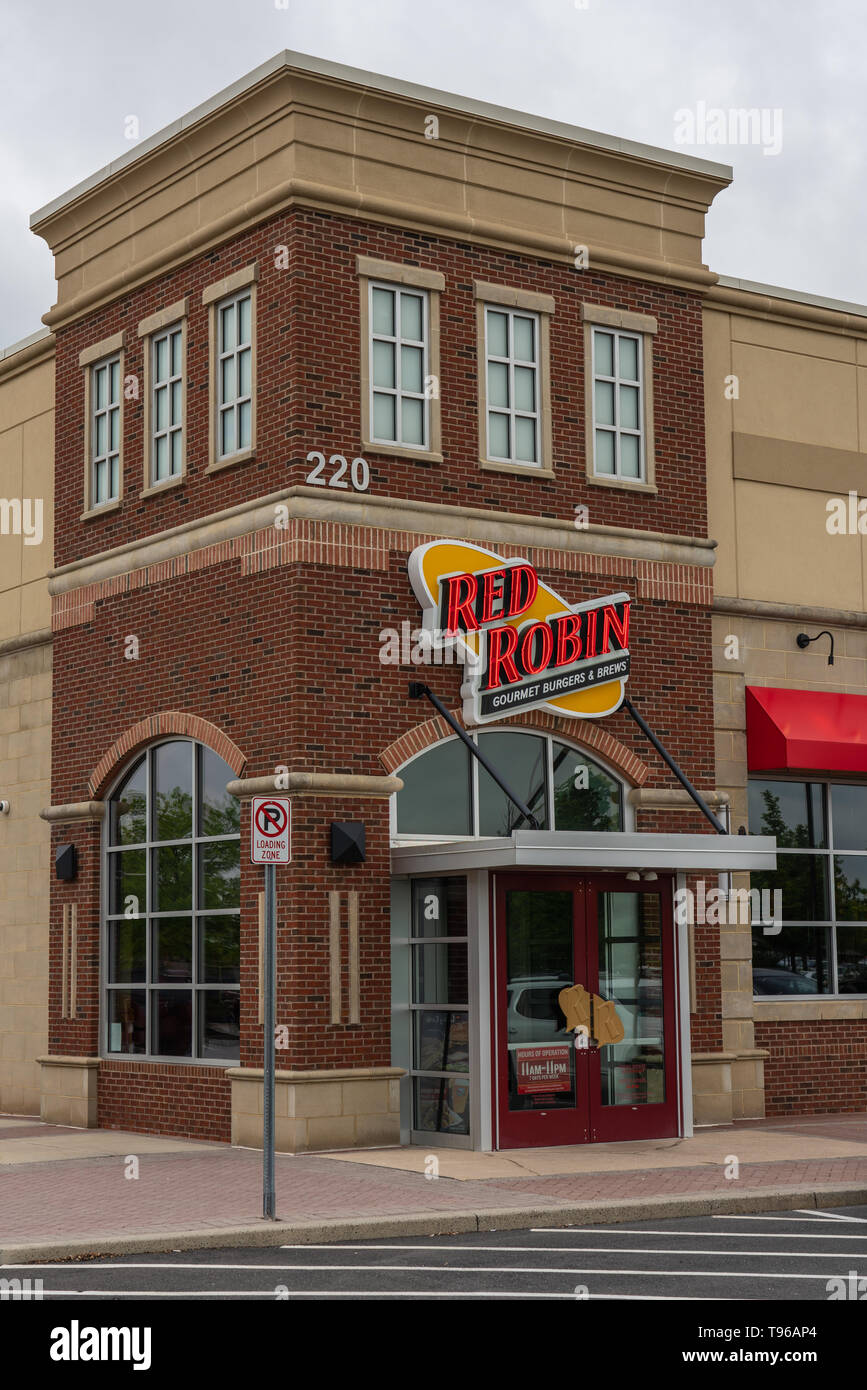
787 1256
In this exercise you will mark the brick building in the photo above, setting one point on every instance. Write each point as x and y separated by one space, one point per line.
329 352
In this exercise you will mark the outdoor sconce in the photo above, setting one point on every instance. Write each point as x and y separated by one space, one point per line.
4 808
804 641
66 863
633 875
347 842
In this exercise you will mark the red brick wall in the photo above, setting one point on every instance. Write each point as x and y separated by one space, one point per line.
308 344
814 1067
285 660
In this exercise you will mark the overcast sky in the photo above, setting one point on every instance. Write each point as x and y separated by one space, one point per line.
71 73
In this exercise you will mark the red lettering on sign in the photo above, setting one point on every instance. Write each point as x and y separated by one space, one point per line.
461 592
523 588
546 647
501 653
568 642
611 622
492 589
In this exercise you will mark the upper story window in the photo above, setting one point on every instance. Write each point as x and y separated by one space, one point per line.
231 306
105 388
234 375
618 415
399 351
172 908
821 874
512 371
618 353
446 793
167 404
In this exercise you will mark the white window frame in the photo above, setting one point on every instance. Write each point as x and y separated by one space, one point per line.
398 342
511 362
112 409
617 381
156 384
222 407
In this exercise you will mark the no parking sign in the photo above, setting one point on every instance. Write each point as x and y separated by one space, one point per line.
271 828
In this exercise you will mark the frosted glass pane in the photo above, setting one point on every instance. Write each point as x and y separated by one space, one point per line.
411 317
162 359
161 458
227 328
227 432
176 354
114 376
411 375
177 446
629 456
383 312
604 399
524 339
604 452
525 388
525 440
412 421
383 417
177 403
383 364
161 401
498 335
101 435
628 351
498 435
245 416
100 379
628 408
498 384
604 354
114 431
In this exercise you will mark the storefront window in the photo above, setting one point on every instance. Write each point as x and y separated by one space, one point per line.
440 1006
821 875
172 928
447 794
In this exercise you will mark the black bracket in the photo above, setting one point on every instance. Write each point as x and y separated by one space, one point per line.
416 690
680 775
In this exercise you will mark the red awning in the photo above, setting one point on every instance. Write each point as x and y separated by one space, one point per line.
807 730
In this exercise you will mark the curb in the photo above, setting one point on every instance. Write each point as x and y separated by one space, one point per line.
437 1223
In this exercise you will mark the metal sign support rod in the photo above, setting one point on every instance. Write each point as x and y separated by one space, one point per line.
268 1202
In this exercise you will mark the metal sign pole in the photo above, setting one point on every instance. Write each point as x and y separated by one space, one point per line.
268 1203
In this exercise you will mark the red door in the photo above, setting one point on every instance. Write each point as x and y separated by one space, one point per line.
613 938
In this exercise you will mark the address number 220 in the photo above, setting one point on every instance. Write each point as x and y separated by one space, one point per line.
359 472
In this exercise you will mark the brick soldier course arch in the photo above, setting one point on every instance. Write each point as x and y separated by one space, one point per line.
432 731
157 726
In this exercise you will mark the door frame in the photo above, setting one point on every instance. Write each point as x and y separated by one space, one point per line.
605 1123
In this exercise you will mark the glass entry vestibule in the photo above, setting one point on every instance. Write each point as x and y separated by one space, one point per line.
585 1039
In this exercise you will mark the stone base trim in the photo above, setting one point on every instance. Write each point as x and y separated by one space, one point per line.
728 1086
69 1091
74 811
349 784
314 1110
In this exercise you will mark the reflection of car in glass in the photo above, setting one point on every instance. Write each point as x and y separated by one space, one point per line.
533 1012
771 981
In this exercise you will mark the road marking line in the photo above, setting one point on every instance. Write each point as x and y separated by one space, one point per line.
389 1293
506 1269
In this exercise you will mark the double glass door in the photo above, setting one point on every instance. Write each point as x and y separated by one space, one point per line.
584 1010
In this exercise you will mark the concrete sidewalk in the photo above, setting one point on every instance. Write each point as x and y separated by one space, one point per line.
67 1193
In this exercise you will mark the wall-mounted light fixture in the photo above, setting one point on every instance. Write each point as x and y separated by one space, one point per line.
4 808
804 641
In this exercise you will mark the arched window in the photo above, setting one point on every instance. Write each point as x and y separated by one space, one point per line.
447 793
172 877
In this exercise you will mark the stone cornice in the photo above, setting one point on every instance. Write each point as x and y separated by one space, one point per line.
788 612
39 349
391 514
491 177
794 311
40 637
73 812
350 784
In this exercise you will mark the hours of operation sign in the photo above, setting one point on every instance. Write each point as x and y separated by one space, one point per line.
271 825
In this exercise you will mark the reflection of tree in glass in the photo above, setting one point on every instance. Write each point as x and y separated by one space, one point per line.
801 877
594 807
850 896
221 868
221 949
221 818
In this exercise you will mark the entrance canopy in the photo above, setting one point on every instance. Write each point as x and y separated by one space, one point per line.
583 850
807 730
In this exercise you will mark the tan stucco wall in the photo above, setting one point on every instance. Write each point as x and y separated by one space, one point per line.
26 469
